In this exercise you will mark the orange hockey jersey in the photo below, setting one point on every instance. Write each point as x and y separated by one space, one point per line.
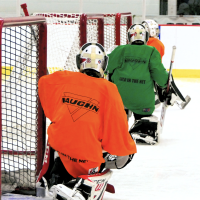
87 116
155 42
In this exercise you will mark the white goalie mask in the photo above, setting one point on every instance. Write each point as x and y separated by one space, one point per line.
137 34
152 27
92 56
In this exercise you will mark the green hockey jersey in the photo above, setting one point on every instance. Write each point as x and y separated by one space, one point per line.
134 68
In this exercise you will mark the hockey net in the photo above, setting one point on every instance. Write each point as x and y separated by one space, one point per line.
67 32
23 62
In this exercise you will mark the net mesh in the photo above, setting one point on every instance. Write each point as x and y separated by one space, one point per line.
63 33
109 31
123 30
63 38
92 30
19 107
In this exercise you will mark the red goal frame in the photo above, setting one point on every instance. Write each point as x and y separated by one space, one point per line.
42 66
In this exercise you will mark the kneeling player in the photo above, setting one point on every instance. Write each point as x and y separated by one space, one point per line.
87 116
147 129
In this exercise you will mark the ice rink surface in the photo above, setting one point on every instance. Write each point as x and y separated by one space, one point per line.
169 169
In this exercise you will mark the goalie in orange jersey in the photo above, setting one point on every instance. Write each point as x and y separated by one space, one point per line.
153 30
88 123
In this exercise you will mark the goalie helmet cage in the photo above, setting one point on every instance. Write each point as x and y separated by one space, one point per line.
23 61
67 32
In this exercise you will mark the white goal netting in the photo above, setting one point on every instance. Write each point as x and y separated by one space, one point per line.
21 143
66 34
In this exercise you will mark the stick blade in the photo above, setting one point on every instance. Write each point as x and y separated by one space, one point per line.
184 104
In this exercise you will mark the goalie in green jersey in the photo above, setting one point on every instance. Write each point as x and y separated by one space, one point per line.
134 68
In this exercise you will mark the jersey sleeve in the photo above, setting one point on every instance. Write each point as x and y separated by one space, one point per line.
116 139
157 70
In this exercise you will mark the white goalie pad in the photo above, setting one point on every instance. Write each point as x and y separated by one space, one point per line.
65 193
88 187
98 182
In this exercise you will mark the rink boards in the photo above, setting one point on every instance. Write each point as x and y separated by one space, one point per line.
184 37
187 41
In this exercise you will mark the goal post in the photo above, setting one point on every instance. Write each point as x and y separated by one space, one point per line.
23 60
115 29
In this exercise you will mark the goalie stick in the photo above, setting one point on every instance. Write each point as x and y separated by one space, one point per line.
24 7
185 100
26 13
183 104
164 106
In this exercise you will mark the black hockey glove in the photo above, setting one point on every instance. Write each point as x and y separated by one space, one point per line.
161 92
171 96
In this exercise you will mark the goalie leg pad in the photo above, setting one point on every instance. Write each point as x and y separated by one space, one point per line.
98 183
146 128
87 187
64 192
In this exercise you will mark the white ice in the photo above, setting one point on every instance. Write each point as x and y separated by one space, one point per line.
171 168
